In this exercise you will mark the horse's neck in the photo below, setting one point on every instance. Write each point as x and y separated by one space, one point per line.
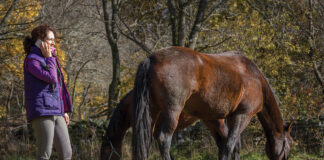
118 124
120 120
270 116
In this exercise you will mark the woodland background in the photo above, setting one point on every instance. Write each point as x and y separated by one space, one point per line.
101 42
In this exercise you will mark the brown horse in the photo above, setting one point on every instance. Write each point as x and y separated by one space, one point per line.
122 119
210 87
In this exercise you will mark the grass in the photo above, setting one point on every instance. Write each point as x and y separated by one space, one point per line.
18 157
196 155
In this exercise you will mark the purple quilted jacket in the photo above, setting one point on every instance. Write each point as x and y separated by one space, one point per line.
45 90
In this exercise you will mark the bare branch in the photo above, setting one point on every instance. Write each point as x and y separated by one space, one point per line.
11 36
9 98
100 114
24 23
318 75
131 36
260 12
321 4
214 9
199 49
94 108
8 13
77 76
84 95
187 3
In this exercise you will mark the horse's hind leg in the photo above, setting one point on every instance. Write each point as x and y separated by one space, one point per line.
169 92
164 133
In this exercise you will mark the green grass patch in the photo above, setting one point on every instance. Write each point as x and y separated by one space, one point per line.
19 157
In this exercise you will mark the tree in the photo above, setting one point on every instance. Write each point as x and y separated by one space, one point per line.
146 24
16 18
82 42
112 36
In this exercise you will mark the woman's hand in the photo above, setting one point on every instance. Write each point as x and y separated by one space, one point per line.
46 49
67 118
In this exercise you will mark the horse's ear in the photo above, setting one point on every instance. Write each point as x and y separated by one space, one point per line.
289 127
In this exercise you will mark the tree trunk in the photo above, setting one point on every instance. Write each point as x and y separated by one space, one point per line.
311 38
173 21
193 36
181 24
112 36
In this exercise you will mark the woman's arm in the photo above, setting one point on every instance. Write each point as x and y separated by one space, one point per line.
48 74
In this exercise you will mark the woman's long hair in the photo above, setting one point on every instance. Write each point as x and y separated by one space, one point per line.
39 32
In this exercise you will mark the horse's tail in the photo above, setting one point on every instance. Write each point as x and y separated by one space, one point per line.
142 128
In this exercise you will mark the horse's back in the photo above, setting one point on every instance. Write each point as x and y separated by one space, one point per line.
209 83
186 58
179 62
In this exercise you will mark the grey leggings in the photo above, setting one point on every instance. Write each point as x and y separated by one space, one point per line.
49 129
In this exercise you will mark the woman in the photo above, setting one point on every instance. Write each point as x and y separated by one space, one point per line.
47 98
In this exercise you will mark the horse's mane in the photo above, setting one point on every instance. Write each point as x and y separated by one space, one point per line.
255 68
271 89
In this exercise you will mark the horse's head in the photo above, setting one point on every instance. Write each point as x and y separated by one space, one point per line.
279 147
109 151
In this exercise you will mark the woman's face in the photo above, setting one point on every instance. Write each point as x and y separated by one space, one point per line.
49 39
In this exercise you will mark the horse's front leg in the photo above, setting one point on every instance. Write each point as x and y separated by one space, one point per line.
236 124
219 131
237 149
